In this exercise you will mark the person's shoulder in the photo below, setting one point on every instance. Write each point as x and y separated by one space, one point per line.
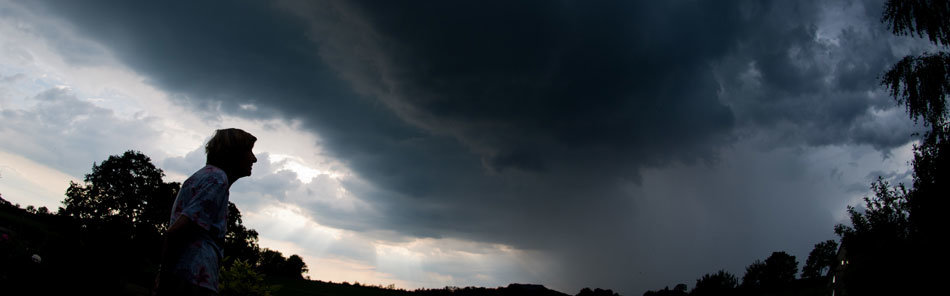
209 174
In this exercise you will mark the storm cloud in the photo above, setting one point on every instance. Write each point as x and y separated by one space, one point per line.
630 142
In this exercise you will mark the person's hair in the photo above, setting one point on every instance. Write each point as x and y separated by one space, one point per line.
226 143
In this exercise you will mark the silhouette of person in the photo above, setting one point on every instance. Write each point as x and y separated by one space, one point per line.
193 243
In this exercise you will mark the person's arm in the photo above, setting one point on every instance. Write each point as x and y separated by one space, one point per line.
177 237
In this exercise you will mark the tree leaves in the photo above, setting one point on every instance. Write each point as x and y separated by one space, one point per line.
922 84
820 260
928 18
126 189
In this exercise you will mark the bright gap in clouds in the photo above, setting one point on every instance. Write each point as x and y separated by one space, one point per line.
304 172
339 255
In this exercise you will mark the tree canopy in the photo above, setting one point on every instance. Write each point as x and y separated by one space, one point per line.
126 189
776 272
820 260
921 18
273 263
240 242
720 283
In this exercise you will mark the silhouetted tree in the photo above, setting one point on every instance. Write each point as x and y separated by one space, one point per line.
781 270
720 283
923 18
922 84
678 290
893 244
295 267
121 209
820 260
880 256
596 292
753 275
777 272
239 242
271 262
125 190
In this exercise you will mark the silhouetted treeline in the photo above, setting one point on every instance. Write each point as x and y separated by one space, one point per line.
776 275
512 289
597 292
679 289
316 287
107 237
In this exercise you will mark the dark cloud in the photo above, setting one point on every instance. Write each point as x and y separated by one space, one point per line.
532 123
818 86
542 86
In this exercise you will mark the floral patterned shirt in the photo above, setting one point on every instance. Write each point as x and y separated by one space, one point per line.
203 198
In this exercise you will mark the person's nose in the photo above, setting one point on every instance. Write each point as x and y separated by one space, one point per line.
253 158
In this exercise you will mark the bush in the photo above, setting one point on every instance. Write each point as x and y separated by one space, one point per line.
241 279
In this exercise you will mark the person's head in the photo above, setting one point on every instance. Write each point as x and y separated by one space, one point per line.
231 150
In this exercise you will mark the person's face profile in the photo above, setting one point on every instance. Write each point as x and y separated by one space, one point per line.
246 161
242 162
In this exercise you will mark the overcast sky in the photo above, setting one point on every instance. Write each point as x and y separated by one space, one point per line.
628 145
